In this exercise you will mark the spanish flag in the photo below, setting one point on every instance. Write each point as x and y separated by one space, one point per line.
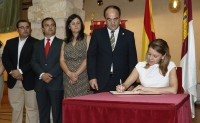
188 56
148 30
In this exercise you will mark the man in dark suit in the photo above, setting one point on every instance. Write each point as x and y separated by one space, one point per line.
111 54
16 59
49 81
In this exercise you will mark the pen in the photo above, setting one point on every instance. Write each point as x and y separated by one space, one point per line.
121 84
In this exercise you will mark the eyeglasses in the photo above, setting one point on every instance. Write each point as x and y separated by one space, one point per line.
22 27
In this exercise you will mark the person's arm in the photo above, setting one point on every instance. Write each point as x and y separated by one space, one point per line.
63 65
34 61
132 58
1 67
130 80
91 61
8 65
83 65
171 89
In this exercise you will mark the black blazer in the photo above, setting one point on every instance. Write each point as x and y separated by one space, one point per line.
100 56
9 59
51 64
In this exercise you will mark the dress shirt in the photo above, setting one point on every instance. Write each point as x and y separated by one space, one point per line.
51 40
116 36
20 46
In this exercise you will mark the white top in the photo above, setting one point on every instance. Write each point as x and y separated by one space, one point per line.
152 76
20 46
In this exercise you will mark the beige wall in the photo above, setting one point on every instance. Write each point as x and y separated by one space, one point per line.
167 25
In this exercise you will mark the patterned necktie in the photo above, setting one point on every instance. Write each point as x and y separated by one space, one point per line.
47 47
112 40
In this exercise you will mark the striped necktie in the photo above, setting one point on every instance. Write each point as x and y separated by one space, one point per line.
112 40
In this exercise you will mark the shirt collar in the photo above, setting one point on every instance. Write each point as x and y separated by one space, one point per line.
22 40
51 38
116 31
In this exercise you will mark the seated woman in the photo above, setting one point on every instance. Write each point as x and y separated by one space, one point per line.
157 74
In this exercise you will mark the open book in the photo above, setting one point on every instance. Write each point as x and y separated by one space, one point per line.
131 92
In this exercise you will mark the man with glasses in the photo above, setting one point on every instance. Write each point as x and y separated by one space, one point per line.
49 81
112 54
16 59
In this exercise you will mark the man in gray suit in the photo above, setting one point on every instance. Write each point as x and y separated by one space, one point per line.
49 81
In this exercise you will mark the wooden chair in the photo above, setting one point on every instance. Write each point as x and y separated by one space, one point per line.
179 76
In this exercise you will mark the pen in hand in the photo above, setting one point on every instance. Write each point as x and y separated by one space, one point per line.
121 85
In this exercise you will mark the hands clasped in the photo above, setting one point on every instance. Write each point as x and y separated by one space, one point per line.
73 76
16 74
47 77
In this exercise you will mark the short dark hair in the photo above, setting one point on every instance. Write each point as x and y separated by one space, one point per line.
47 18
69 34
17 25
114 7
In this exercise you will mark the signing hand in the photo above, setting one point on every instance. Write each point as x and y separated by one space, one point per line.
120 88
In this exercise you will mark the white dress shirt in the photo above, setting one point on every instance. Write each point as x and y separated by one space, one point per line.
116 36
20 46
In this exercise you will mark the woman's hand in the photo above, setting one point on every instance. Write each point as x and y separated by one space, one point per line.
139 88
72 82
73 76
120 88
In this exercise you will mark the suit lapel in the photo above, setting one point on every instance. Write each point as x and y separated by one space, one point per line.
15 48
53 46
42 47
120 38
106 38
26 45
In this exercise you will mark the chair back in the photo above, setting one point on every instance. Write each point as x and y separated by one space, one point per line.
179 76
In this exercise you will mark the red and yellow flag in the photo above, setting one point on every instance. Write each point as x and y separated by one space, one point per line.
188 56
148 30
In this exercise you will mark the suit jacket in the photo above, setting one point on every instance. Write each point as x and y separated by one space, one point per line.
50 64
100 56
10 58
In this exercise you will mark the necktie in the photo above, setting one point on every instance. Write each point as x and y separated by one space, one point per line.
47 47
112 40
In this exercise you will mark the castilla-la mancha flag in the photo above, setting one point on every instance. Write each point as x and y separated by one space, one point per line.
188 57
148 31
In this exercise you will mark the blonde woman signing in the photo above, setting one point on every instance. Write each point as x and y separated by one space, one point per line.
157 74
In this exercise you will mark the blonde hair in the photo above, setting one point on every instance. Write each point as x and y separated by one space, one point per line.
161 47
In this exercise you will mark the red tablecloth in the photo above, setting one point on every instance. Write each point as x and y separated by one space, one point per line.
108 108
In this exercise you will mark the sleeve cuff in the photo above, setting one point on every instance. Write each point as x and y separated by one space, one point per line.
20 71
40 77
